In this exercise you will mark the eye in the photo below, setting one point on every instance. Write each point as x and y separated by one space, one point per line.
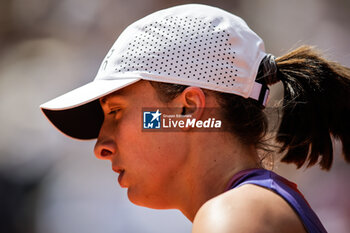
113 111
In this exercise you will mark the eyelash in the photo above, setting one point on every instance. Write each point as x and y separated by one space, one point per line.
113 111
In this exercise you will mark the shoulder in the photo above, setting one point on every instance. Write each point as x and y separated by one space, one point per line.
249 208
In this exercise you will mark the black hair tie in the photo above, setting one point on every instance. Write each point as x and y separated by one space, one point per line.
269 70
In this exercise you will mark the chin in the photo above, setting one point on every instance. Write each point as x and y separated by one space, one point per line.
149 201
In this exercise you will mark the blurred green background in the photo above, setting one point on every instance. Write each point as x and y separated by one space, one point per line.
51 184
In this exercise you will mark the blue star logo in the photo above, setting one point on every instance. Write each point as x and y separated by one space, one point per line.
151 120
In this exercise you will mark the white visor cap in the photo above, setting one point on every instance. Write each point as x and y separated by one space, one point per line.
194 45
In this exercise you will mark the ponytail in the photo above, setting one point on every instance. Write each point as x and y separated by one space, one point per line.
316 105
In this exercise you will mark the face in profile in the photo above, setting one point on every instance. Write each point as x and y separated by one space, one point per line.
151 165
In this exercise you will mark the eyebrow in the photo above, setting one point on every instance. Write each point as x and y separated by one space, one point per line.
116 94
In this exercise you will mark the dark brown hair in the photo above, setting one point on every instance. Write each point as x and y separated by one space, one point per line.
316 105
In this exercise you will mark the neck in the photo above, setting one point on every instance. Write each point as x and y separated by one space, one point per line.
210 168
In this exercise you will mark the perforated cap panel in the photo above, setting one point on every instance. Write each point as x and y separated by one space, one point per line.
188 46
182 47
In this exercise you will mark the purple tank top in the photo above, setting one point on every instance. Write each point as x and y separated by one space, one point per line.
283 187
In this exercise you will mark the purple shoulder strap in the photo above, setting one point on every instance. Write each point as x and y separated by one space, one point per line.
283 187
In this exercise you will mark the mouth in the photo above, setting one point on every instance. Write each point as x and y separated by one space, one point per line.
118 170
120 178
121 172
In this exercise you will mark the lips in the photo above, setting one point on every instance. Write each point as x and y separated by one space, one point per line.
121 172
120 178
117 170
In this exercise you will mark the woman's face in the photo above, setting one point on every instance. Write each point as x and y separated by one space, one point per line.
150 164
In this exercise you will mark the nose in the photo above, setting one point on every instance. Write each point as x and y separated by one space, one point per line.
105 146
104 149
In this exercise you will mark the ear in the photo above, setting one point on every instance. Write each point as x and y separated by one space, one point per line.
191 102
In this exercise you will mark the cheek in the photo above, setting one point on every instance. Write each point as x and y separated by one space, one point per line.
155 155
152 154
128 131
153 151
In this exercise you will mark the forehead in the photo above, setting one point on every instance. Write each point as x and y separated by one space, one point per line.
138 90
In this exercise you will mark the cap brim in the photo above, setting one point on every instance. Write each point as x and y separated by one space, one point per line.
78 113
